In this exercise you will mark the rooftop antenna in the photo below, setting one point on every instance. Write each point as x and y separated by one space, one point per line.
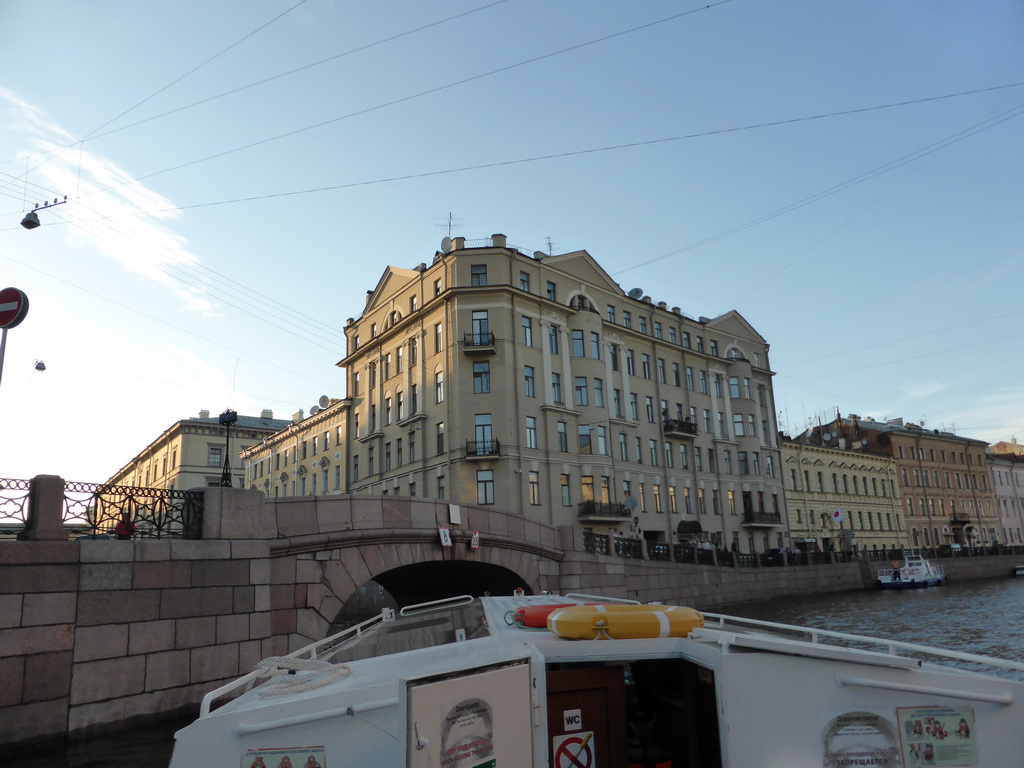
551 251
449 222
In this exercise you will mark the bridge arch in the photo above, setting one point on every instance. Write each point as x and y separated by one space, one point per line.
330 548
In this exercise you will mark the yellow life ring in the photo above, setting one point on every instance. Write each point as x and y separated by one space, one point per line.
623 622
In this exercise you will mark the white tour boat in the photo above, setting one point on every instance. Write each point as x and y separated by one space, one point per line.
914 572
492 683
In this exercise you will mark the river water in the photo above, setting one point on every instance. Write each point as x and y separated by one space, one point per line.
985 616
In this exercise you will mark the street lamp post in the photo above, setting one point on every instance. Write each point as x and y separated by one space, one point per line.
227 418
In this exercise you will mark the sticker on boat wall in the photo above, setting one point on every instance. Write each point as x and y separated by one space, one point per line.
573 750
861 738
287 757
938 736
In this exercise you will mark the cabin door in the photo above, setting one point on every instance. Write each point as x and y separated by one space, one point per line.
586 713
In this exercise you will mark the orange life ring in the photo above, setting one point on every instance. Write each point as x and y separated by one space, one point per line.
623 622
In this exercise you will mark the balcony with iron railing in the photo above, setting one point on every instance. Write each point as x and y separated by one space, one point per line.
679 428
761 519
482 449
597 511
478 343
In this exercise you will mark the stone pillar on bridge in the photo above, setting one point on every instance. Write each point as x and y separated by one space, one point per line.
45 521
236 513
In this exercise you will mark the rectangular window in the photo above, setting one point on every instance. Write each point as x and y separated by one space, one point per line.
686 339
684 456
630 363
581 391
478 275
439 387
552 292
737 424
634 406
531 431
642 324
534 488
437 287
649 408
627 319
577 344
599 393
553 339
529 386
440 487
481 378
741 459
611 314
595 345
485 486
645 363
439 437
714 347
700 343
583 433
524 281
438 341
652 447
564 481
689 378
657 329
556 387
703 382
527 325
563 438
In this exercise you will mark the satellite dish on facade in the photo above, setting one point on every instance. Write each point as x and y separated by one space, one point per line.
324 401
446 244
636 293
314 410
631 503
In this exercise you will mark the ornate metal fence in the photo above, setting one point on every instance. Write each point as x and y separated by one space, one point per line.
13 504
91 509
121 510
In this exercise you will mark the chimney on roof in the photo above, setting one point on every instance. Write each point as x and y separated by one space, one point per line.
498 241
204 414
266 413
458 243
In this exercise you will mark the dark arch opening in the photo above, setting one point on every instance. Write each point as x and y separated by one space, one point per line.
424 582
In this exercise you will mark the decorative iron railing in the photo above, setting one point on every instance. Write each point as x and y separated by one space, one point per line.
680 427
151 513
483 448
14 496
595 543
601 509
95 510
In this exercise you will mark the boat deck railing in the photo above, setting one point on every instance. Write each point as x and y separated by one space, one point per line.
321 650
895 649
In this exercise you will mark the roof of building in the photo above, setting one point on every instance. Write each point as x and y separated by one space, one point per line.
247 422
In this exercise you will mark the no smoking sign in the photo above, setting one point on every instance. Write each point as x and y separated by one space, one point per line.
574 750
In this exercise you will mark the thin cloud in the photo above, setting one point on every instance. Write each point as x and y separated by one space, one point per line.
101 196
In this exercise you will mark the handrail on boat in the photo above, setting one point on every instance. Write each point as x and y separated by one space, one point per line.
335 641
599 598
435 605
816 636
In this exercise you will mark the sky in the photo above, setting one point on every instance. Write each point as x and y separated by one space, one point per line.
847 175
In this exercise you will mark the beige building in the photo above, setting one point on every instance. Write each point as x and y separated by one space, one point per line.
944 479
306 458
862 486
535 383
1007 475
190 454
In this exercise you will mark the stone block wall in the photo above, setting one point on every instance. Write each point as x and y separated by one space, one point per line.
95 633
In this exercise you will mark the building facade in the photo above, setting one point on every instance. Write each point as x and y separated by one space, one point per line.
191 453
306 458
1007 474
944 479
534 383
862 486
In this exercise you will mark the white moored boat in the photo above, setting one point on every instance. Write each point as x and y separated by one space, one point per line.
468 683
914 572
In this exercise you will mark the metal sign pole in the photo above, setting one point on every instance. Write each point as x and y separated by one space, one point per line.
3 348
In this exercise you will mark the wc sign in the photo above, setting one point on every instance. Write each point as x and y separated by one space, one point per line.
572 720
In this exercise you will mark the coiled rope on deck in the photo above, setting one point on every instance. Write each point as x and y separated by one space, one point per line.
302 675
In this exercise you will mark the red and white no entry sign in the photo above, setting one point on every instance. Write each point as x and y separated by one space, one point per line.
13 307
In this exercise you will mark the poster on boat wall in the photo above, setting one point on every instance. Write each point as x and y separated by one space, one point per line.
475 720
861 738
938 736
